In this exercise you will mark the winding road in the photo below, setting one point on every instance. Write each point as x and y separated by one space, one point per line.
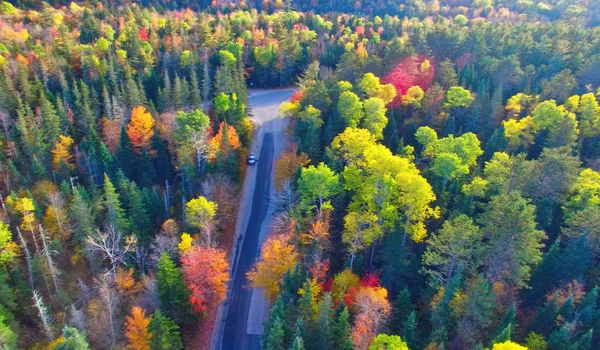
240 318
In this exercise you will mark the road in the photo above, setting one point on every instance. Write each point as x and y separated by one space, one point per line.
240 318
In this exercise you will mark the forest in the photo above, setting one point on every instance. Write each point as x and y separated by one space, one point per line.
440 190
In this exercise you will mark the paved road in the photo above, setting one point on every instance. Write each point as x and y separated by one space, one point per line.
235 335
233 328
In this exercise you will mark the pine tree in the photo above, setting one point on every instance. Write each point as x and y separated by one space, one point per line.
147 174
196 94
172 292
341 329
126 157
409 331
325 321
165 333
72 339
138 215
162 159
178 94
115 215
50 120
275 341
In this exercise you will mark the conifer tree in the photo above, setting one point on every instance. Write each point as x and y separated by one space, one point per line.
172 292
165 333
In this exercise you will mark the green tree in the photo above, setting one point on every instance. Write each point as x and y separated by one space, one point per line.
275 341
115 214
316 185
72 340
514 244
388 342
165 333
458 242
200 214
350 108
375 119
172 292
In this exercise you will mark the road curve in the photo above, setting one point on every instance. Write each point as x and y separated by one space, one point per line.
239 314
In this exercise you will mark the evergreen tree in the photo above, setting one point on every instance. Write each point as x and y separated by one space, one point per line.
72 340
341 329
138 215
146 172
115 215
165 333
172 292
409 331
126 157
275 341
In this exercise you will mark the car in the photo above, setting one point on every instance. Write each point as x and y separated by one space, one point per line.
252 159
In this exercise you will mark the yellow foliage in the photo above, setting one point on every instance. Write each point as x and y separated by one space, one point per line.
186 242
140 128
126 284
62 151
55 343
276 258
508 345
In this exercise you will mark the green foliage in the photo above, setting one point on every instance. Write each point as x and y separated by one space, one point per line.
165 333
172 292
384 341
73 340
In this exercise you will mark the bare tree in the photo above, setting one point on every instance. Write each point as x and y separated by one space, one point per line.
57 201
77 318
38 302
111 303
163 243
112 246
51 267
27 257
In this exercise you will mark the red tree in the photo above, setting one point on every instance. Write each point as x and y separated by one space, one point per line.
409 73
206 272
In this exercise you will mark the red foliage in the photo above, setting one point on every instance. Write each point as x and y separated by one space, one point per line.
408 73
143 34
370 280
206 272
326 286
319 270
350 297
298 96
360 30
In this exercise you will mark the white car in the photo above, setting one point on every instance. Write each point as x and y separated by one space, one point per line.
252 159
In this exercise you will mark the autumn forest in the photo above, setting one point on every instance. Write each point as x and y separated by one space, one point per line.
438 187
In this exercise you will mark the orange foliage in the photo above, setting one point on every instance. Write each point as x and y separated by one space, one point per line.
373 311
297 96
62 152
361 50
206 272
140 128
276 258
287 165
360 30
126 284
136 329
216 144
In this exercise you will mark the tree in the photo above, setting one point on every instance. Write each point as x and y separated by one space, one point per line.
513 242
61 154
172 292
165 333
350 109
316 185
112 245
192 130
277 257
200 213
42 310
72 339
206 273
136 329
8 248
140 128
508 345
459 242
375 119
388 342
275 341
374 310
287 165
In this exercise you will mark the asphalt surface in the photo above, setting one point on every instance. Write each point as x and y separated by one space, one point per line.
235 336
235 323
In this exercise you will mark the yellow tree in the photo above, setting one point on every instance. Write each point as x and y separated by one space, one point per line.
277 257
136 329
140 128
61 154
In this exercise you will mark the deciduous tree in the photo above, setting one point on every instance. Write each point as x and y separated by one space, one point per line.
136 329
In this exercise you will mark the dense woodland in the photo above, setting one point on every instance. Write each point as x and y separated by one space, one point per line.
440 190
